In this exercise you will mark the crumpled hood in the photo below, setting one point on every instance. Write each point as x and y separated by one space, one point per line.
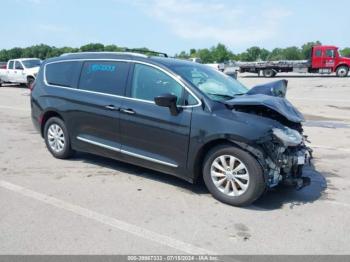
275 88
278 104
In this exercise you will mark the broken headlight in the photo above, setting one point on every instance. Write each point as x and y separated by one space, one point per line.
287 136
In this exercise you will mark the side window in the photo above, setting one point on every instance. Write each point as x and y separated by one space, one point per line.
149 82
191 100
10 65
104 77
18 66
318 53
330 53
65 74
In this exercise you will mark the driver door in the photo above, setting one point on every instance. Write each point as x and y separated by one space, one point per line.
329 58
150 135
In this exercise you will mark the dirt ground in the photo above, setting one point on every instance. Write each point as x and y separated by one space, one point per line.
93 205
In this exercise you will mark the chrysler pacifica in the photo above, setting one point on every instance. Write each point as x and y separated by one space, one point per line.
173 116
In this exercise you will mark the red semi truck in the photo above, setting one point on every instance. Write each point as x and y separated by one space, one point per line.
325 59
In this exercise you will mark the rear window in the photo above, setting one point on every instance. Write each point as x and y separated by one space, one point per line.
104 77
64 74
318 53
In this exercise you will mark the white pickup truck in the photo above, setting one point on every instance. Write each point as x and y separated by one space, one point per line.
20 71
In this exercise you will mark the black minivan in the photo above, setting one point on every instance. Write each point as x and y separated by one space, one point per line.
174 116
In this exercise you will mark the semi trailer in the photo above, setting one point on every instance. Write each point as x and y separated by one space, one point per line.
325 59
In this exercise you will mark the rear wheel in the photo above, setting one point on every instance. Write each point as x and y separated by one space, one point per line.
342 71
57 138
233 176
269 73
30 81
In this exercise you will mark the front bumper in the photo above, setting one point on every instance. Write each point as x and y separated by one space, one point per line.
285 164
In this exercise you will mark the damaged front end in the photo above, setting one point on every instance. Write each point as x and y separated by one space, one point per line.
285 154
284 150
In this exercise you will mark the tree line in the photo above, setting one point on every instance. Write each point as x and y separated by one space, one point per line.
43 51
219 53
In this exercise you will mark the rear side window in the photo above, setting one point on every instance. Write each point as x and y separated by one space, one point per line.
65 74
10 65
104 77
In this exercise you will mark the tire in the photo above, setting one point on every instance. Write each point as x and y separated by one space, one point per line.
269 73
342 71
54 130
30 81
252 174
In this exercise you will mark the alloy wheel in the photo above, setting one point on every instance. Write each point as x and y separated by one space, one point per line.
230 175
55 137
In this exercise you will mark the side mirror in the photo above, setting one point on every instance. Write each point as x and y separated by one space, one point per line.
168 100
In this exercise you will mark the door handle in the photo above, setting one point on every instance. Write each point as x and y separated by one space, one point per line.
110 107
127 111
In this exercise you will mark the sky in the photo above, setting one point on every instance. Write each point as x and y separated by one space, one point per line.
174 25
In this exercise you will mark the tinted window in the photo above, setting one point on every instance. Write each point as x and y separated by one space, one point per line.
10 65
18 66
104 77
64 74
318 53
149 82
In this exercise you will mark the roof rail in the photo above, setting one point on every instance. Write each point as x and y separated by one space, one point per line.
104 52
145 51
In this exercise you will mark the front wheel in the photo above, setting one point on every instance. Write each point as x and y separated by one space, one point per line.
233 176
342 71
57 138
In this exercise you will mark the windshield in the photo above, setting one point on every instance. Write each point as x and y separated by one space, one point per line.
31 63
213 83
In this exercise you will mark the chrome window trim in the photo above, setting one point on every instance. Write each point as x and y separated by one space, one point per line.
107 52
125 152
173 76
147 158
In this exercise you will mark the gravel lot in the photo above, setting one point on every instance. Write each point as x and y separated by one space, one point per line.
93 205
